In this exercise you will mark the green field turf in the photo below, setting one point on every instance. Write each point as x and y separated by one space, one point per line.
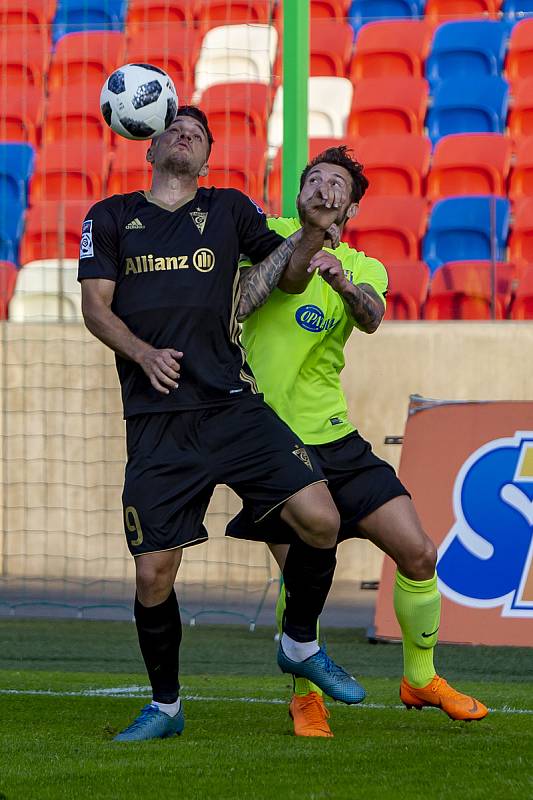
61 703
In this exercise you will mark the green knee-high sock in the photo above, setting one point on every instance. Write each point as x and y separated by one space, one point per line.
301 685
417 607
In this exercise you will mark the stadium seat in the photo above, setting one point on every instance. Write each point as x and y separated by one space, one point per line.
470 49
446 10
53 230
173 48
461 228
365 11
8 278
88 15
522 307
237 109
47 291
389 228
388 105
329 102
24 13
240 53
238 164
521 182
520 121
516 10
519 64
464 290
213 13
459 106
74 113
26 64
407 291
129 170
86 57
17 161
521 237
11 227
331 45
143 13
396 164
20 114
74 169
470 163
329 9
396 48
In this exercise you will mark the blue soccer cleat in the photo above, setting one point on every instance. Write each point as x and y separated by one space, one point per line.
323 672
152 724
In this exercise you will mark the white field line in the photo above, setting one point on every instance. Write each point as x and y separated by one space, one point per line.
144 692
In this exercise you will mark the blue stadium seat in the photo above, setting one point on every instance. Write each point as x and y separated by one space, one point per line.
460 230
11 227
460 106
363 11
514 10
17 161
467 49
88 15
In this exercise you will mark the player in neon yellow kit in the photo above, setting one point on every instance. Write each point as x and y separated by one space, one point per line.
295 346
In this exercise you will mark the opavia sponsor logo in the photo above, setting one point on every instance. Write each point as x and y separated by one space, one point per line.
311 318
486 560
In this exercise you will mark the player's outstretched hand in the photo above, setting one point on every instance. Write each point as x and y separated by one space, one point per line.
330 268
162 368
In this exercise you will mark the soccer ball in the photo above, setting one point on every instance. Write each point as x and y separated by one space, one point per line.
138 101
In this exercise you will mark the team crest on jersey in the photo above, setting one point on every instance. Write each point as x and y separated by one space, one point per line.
301 453
199 218
486 559
86 241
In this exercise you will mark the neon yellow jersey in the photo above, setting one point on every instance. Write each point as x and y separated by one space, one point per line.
295 345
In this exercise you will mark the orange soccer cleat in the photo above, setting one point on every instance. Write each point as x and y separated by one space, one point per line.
310 715
440 694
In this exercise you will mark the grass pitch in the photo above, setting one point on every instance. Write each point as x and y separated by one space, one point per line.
66 687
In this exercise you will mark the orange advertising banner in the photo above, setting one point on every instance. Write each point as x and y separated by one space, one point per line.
469 468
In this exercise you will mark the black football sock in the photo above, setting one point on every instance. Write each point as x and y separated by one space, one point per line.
307 575
159 631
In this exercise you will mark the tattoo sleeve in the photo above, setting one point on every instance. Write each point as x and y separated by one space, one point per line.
364 306
257 282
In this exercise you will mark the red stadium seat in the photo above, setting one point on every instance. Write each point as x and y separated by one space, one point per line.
389 228
408 288
463 290
86 56
394 165
53 230
519 63
388 105
396 48
238 164
21 114
143 13
237 109
438 11
470 164
26 64
173 49
520 120
521 183
74 113
212 13
331 45
130 170
23 13
72 169
334 9
521 236
522 307
8 278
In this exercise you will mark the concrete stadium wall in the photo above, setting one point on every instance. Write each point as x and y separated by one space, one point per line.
62 439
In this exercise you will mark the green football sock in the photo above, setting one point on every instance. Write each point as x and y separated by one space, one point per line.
301 685
417 607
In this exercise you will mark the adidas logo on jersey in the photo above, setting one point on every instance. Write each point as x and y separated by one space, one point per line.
135 225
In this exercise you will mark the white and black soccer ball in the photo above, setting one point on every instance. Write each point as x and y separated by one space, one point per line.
138 101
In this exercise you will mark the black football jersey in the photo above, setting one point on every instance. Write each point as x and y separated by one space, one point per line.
177 285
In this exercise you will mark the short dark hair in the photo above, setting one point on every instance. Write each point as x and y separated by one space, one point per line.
341 157
197 114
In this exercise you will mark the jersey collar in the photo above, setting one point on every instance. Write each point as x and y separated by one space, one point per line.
148 196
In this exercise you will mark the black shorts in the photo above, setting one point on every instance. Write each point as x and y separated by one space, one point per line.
176 459
359 483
